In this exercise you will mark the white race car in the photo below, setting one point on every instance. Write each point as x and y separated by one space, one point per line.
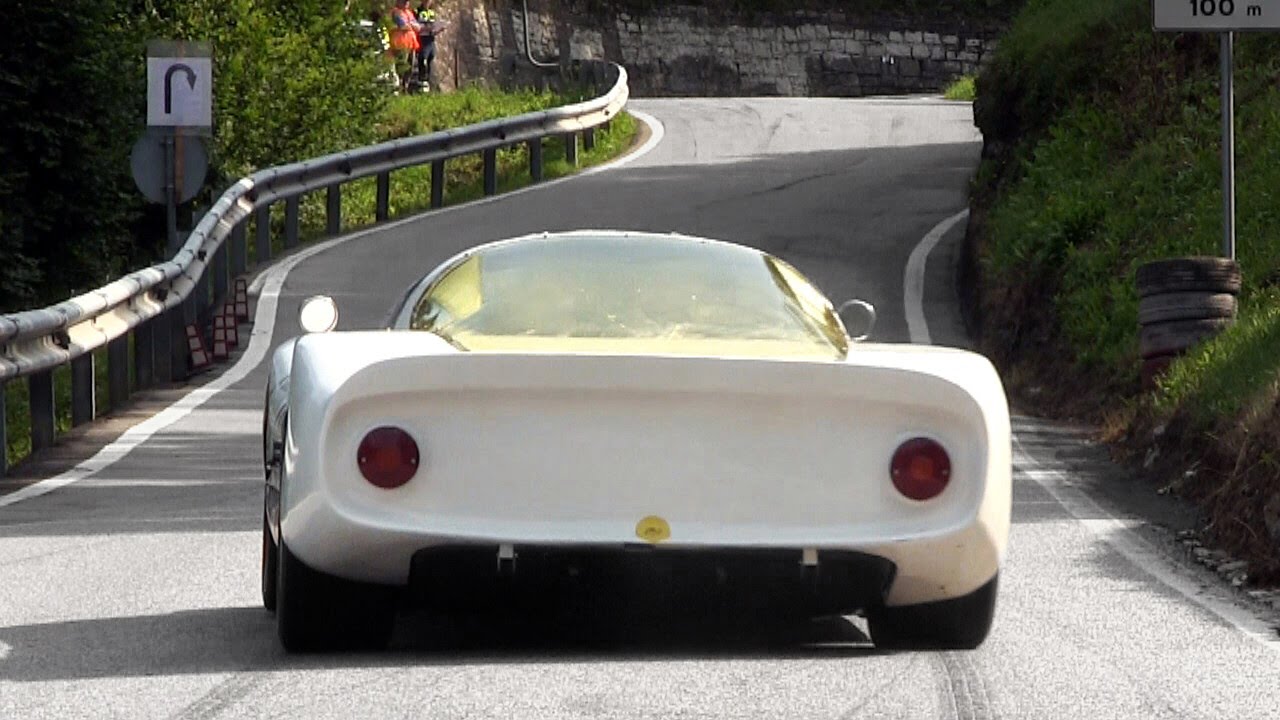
569 413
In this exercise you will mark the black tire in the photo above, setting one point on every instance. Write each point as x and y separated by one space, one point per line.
1190 274
1186 306
270 565
316 611
1171 338
958 624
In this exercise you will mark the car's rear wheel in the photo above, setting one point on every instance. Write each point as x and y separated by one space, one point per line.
958 624
270 565
317 611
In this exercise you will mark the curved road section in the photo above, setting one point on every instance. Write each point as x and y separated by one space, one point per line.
134 592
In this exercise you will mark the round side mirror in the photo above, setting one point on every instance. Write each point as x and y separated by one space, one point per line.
318 314
859 318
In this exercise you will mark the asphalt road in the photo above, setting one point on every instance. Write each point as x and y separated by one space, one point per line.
135 593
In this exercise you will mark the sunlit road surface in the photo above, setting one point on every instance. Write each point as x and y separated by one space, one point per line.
135 593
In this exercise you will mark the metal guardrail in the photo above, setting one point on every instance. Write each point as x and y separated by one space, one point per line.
155 304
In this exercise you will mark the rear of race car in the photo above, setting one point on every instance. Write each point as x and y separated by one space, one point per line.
860 485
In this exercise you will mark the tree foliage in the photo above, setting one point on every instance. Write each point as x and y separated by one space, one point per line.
292 79
68 107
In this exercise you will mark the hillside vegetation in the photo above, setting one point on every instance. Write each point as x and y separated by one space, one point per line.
1102 154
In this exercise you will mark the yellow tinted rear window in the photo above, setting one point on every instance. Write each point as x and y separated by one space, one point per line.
630 294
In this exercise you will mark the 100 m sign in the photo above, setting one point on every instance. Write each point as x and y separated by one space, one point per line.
1215 15
1209 8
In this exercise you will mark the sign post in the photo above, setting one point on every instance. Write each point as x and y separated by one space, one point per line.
1227 51
1225 17
180 107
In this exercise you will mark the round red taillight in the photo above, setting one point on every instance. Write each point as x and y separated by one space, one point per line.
388 457
920 469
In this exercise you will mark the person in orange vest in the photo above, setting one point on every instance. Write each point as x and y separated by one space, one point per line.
404 41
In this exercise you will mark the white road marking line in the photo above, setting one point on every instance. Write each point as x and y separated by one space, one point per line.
913 280
267 286
1122 538
1119 534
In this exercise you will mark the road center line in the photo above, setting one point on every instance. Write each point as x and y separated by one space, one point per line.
267 287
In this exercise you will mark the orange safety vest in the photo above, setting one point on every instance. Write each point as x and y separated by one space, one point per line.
406 36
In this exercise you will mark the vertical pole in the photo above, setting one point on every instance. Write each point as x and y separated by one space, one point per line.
40 386
83 402
1228 146
171 194
535 159
589 139
262 234
144 353
571 149
333 210
238 247
490 171
4 431
291 222
437 183
382 210
118 371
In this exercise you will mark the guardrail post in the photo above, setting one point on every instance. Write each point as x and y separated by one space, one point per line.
333 210
382 210
162 342
490 171
83 402
535 159
198 300
118 371
262 234
184 314
589 139
571 149
437 183
238 246
4 431
291 222
40 387
219 274
144 353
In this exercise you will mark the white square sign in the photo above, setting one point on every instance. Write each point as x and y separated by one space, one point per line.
180 92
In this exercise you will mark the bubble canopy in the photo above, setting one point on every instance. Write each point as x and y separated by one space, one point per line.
628 293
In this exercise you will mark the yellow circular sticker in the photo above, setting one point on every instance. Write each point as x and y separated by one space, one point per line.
653 529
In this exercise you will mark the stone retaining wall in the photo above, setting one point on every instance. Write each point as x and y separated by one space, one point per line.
686 50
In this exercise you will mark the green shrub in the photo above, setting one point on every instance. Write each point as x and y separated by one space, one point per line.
962 89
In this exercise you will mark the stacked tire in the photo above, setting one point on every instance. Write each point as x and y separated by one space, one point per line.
1182 302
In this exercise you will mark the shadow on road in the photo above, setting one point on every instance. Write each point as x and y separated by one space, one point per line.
243 639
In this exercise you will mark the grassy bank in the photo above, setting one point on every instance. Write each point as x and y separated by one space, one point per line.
410 193
1102 154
